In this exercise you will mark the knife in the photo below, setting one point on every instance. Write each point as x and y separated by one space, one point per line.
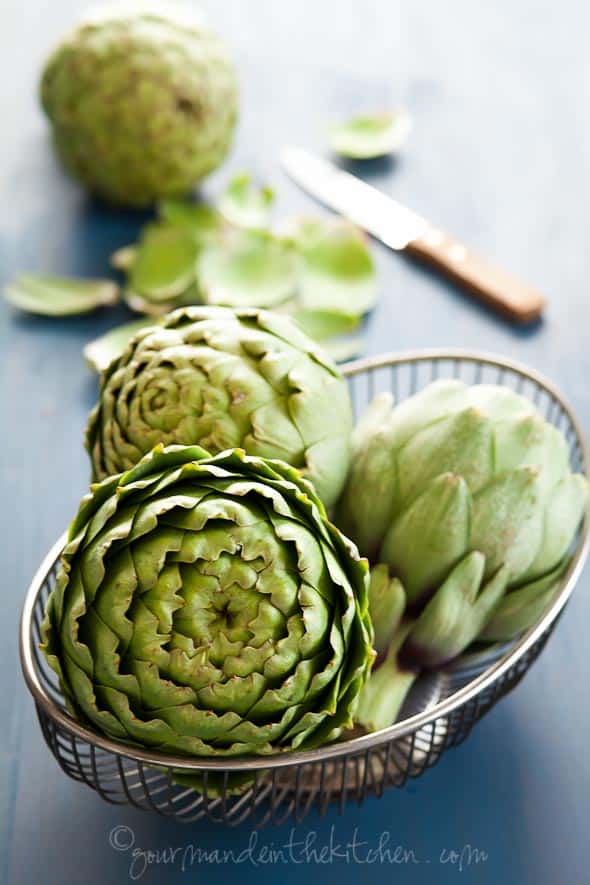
401 229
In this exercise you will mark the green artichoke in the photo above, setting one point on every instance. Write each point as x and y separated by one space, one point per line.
466 495
205 606
142 100
224 379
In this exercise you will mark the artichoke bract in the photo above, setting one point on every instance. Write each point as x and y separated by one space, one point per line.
223 379
205 606
466 495
142 100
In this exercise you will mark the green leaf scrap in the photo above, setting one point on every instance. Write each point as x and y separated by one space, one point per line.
337 332
165 264
338 270
367 137
123 258
247 269
246 205
202 220
55 296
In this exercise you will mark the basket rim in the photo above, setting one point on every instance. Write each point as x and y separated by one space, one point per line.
364 743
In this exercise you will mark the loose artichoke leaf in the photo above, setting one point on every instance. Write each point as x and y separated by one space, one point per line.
344 348
159 309
102 351
323 324
246 205
164 266
203 220
369 136
123 258
247 269
298 230
49 295
338 272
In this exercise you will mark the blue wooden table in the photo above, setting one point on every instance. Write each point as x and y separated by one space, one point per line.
500 157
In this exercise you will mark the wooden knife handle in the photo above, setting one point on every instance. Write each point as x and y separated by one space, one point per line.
511 297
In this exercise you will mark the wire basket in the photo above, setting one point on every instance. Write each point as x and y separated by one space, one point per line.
440 711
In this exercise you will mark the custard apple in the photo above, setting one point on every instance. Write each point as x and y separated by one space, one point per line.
143 102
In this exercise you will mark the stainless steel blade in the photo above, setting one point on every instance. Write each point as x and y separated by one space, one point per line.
381 216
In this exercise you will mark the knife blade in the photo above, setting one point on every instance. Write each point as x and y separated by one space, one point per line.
402 229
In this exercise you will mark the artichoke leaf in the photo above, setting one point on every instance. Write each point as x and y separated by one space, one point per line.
387 601
247 269
338 272
430 537
508 521
383 694
523 606
325 324
460 444
123 258
372 135
245 204
164 266
565 507
202 220
55 296
102 351
241 629
456 614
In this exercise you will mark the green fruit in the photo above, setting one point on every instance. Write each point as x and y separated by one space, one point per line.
143 102
224 379
205 606
466 495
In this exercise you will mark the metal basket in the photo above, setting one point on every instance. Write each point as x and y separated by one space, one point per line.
439 713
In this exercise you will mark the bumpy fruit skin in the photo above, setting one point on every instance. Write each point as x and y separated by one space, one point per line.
205 606
223 379
143 102
466 496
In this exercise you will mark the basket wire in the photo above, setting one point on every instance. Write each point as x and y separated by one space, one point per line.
439 713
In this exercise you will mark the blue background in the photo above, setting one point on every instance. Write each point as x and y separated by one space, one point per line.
498 156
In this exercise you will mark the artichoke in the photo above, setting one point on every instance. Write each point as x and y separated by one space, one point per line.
466 495
224 379
205 606
142 100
